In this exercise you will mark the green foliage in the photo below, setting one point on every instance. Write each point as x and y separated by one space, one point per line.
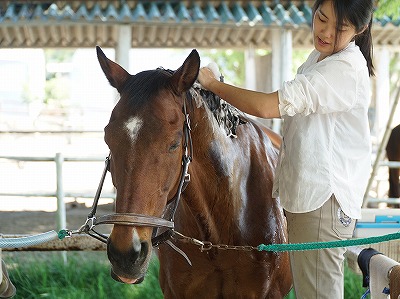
58 55
390 8
57 90
299 56
230 63
57 86
86 275
353 288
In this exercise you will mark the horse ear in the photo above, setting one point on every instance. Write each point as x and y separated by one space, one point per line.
115 73
184 77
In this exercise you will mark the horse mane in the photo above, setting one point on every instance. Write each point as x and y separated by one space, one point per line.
144 85
227 116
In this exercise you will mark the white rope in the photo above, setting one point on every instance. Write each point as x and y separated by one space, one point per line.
28 241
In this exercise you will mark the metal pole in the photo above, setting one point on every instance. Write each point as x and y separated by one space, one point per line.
61 210
123 46
276 68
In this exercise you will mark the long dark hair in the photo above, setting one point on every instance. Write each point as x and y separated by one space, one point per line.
359 13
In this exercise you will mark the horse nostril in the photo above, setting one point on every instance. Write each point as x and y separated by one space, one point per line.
121 256
126 260
145 247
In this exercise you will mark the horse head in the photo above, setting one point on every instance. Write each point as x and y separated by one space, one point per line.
145 135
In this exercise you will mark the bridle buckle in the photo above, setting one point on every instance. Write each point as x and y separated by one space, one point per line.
89 224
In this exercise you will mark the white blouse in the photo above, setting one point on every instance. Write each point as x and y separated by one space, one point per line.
326 145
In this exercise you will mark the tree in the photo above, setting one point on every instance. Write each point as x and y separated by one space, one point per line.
389 8
230 62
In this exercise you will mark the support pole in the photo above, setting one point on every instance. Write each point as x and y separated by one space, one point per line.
122 49
281 62
250 65
61 210
123 46
382 90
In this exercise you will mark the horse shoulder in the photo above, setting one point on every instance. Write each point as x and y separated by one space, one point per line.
275 138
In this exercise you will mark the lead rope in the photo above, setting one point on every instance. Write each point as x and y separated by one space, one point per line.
329 244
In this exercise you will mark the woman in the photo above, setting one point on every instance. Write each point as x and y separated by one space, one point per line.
325 159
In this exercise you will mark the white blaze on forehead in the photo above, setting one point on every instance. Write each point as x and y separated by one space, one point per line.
133 126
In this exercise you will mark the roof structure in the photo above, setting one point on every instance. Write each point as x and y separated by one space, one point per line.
164 24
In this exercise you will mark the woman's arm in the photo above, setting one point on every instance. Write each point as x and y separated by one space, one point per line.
252 102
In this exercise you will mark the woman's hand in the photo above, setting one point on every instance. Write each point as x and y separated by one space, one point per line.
255 103
206 78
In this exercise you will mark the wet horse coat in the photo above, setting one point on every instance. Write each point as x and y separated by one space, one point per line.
228 200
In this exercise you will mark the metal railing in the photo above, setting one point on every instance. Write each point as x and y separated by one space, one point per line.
59 193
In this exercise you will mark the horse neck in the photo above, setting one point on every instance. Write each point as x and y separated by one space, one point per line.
209 194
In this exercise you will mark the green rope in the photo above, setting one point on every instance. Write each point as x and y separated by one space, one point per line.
330 244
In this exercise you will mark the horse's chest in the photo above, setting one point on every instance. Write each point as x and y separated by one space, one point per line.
217 275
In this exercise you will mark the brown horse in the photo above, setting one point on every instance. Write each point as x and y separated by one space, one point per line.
159 123
393 154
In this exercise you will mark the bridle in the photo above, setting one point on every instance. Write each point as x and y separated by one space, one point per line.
166 222
131 219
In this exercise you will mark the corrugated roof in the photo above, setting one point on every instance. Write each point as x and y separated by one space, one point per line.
220 12
160 23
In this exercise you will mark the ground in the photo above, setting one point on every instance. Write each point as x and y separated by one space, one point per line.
36 222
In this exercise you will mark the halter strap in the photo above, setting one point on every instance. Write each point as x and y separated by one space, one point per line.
131 219
100 187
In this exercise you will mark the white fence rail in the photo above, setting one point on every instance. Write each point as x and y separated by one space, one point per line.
60 194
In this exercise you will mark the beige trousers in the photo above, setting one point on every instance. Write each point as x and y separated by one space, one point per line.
319 274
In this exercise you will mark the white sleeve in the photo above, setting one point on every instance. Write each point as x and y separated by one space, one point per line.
329 86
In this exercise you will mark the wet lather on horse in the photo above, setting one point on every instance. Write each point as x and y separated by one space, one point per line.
160 121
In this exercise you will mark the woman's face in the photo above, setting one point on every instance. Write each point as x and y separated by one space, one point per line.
324 31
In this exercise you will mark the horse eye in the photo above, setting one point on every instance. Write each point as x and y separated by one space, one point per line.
174 146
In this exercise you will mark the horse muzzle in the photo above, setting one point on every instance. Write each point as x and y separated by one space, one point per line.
129 257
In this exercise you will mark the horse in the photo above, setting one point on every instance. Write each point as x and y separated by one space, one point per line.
393 154
208 217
